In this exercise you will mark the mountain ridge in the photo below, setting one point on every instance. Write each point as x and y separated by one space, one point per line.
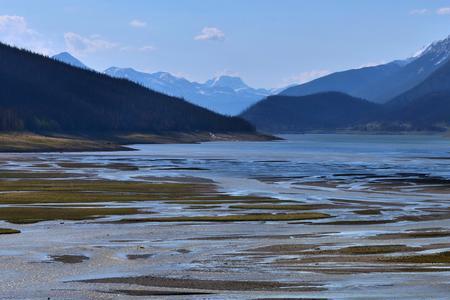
424 107
68 58
67 99
383 82
224 94
326 111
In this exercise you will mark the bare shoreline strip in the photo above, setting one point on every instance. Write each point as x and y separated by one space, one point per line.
20 142
206 284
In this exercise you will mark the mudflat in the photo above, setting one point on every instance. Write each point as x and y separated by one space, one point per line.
101 226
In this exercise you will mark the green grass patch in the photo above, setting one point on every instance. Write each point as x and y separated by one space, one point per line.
8 231
412 235
79 191
35 175
67 197
69 259
28 215
193 201
114 166
368 212
206 207
374 249
357 222
233 218
435 258
106 186
282 207
76 191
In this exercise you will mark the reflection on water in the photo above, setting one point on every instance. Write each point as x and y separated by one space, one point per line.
382 193
297 156
352 159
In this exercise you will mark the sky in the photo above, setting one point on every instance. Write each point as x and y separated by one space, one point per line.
269 43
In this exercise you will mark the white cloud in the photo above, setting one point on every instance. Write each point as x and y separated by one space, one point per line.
81 45
138 23
147 48
14 30
305 77
420 11
16 24
210 33
443 11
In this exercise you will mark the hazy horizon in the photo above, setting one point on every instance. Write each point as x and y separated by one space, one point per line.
283 43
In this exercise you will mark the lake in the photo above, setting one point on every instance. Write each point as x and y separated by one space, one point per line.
309 216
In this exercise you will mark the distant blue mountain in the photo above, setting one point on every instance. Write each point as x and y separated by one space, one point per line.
227 95
67 58
424 107
62 99
383 82
224 94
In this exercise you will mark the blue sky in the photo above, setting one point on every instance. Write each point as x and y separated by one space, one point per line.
269 43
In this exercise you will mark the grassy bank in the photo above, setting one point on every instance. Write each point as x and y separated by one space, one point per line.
32 142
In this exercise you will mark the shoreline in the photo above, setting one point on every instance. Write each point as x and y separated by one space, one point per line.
177 233
357 132
27 142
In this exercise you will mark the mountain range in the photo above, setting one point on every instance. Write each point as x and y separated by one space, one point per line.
404 95
228 95
68 99
380 83
224 94
417 89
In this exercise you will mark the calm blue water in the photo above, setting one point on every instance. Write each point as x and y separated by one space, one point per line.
304 157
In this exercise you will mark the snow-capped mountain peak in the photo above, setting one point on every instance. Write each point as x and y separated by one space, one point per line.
224 94
438 51
232 82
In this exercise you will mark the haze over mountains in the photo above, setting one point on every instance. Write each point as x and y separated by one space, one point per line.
380 83
415 97
63 98
224 94
228 95
404 95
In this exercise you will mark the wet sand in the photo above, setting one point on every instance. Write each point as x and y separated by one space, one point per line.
106 239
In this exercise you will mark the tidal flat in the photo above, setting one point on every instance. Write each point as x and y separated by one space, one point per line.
303 218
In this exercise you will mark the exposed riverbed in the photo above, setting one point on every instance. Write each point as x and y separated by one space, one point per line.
314 216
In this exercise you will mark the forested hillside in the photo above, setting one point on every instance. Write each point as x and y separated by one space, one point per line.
41 94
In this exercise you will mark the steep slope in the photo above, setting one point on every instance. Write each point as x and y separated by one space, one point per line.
380 83
160 81
427 112
67 58
426 105
319 112
419 69
437 82
225 94
43 94
356 82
